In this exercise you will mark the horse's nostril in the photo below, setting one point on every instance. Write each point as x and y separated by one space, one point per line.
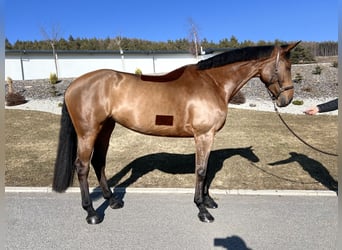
283 101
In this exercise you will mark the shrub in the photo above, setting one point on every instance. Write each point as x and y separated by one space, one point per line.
298 78
298 102
138 72
317 71
10 85
53 78
307 89
9 80
335 64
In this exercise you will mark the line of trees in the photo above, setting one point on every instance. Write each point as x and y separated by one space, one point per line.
316 48
322 48
125 43
307 50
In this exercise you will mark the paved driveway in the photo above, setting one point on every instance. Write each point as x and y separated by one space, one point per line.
169 221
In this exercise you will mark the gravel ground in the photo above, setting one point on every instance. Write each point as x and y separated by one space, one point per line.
313 89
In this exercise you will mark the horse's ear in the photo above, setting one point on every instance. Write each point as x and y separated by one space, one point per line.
289 47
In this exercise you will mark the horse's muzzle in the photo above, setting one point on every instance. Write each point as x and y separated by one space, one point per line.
283 100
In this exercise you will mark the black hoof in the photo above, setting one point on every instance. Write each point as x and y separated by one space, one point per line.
93 219
205 217
209 202
116 204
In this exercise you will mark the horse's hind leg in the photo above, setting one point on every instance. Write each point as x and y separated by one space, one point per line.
99 162
85 148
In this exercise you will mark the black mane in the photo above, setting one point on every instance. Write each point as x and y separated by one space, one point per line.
236 55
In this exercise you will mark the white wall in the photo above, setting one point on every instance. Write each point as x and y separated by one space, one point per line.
39 65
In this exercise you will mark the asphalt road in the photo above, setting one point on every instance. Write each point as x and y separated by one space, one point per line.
169 221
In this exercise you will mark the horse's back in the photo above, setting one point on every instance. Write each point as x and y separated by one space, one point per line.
169 77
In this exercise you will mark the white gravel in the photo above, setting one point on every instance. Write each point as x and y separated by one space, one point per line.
53 105
267 105
44 105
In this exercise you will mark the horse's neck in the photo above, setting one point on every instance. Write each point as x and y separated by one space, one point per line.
233 77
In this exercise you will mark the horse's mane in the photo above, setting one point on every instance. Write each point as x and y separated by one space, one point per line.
236 55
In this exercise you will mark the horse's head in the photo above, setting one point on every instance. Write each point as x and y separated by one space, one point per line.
276 74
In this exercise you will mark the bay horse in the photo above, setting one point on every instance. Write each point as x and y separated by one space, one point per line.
191 101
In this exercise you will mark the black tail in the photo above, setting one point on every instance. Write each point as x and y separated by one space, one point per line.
66 154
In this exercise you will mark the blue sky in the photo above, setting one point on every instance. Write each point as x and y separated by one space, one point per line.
254 20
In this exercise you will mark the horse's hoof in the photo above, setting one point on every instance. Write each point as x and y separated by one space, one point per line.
93 219
205 217
116 204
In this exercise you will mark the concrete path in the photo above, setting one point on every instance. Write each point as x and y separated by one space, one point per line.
45 220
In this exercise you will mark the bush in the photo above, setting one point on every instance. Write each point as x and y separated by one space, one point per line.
298 102
9 80
335 64
53 78
317 71
298 78
138 72
307 89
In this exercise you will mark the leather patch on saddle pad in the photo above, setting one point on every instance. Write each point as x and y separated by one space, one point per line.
166 120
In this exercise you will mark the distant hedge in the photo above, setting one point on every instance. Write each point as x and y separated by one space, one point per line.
305 52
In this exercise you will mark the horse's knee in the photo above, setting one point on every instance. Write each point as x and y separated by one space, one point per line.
201 172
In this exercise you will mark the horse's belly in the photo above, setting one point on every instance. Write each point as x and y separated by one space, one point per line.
170 124
156 124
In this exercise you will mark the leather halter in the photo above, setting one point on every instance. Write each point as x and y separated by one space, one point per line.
275 75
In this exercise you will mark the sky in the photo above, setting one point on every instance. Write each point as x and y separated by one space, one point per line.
254 20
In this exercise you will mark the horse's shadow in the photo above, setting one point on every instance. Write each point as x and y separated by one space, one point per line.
171 164
233 242
316 170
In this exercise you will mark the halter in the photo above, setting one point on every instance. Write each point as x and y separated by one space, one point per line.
281 89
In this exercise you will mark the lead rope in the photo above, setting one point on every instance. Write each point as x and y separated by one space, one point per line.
297 136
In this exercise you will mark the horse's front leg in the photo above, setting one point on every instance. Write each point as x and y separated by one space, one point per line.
208 201
203 147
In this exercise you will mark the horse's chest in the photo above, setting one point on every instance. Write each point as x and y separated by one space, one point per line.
209 116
